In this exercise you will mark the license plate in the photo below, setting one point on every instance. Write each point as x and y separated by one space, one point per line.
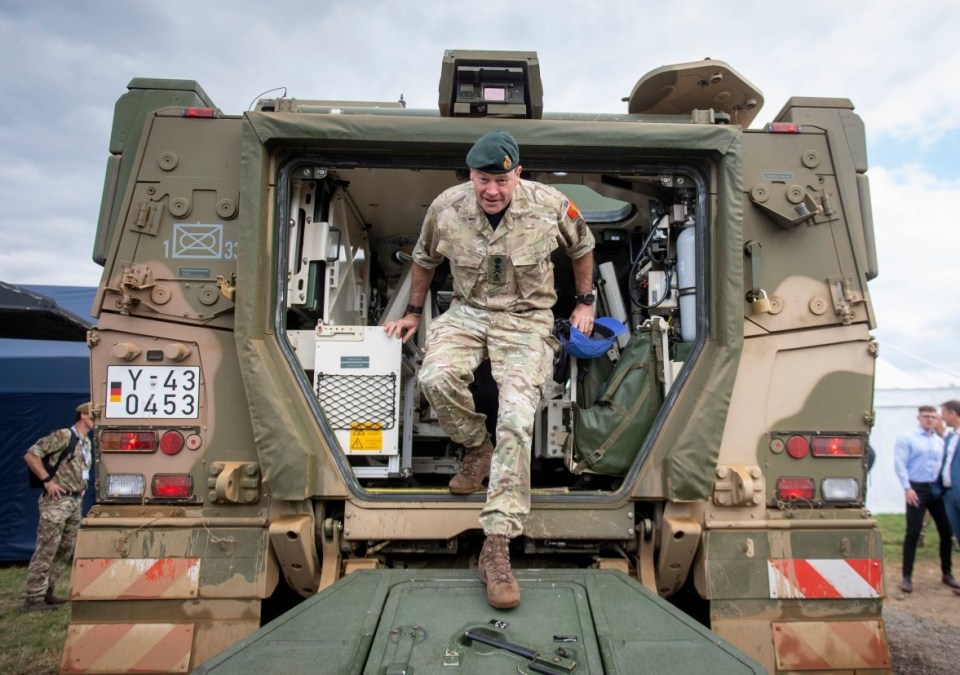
153 392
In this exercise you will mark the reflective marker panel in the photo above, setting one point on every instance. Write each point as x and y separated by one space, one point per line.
153 392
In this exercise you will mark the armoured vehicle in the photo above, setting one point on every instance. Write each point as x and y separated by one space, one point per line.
697 491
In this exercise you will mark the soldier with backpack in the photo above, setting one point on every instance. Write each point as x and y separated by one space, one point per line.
61 462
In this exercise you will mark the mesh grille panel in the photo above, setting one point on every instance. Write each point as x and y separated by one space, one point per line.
358 401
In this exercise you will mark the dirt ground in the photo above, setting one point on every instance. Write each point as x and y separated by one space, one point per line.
923 627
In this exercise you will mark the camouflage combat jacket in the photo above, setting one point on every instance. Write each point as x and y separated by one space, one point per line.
507 269
72 474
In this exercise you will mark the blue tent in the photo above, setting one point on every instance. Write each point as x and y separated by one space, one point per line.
41 383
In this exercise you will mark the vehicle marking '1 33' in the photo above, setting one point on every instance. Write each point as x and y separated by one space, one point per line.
153 392
199 241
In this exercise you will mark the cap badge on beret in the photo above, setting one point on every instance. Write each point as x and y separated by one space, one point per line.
507 162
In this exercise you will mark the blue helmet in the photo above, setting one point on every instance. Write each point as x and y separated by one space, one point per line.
605 332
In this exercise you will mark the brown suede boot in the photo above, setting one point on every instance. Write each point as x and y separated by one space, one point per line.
474 469
503 591
52 599
36 606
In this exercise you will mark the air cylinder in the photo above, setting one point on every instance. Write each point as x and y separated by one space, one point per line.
687 282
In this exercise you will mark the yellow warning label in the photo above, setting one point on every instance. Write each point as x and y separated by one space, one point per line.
366 437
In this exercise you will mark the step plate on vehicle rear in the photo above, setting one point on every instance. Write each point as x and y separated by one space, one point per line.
580 621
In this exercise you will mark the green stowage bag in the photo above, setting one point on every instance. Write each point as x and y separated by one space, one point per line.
611 421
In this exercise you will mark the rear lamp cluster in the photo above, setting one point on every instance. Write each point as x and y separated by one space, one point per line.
799 446
128 441
170 442
840 489
163 485
142 441
831 489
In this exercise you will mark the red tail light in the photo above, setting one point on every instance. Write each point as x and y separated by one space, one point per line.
200 112
172 485
837 446
795 488
128 441
783 128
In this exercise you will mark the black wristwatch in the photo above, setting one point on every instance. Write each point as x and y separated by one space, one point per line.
585 298
46 480
415 309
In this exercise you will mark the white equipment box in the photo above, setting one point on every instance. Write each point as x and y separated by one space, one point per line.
357 382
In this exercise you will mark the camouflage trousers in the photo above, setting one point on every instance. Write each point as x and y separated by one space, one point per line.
56 538
520 348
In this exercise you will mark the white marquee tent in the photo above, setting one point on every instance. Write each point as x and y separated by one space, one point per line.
896 398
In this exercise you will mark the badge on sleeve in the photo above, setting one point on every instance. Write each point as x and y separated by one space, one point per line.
497 269
572 211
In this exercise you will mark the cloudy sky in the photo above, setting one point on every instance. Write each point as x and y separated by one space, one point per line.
66 62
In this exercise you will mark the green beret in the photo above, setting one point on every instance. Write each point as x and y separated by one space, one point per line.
84 408
495 152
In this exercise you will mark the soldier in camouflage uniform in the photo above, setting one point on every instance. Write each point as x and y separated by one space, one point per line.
498 232
60 508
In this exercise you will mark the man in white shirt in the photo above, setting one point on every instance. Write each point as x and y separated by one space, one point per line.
918 461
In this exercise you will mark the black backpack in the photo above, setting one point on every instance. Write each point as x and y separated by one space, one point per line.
51 467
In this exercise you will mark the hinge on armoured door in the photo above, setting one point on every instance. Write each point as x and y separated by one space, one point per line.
234 482
148 218
646 567
844 297
679 538
228 287
330 547
738 486
292 538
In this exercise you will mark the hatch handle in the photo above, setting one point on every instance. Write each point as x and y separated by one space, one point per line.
494 640
538 664
752 249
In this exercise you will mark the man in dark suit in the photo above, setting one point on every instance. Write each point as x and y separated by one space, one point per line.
950 473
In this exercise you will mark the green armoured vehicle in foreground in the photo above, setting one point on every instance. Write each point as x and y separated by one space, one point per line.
261 439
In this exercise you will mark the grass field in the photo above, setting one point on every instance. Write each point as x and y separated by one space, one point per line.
30 644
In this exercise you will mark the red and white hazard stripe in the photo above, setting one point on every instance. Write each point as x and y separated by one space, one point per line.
825 578
848 646
135 578
127 648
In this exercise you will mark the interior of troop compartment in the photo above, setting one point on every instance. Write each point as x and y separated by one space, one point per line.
347 243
